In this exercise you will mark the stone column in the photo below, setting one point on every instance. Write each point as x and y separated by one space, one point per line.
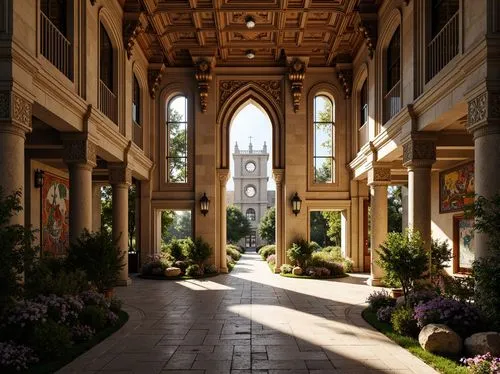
80 156
279 176
378 180
223 176
484 124
120 178
15 122
419 153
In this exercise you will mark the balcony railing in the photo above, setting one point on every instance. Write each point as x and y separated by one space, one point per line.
443 47
363 135
392 102
55 47
137 134
107 102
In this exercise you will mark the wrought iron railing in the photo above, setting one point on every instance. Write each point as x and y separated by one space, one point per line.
107 102
392 102
443 47
55 47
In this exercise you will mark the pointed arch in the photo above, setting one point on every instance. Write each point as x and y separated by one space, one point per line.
250 93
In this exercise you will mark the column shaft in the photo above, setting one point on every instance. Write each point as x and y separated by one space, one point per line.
120 226
280 257
378 230
80 197
419 202
223 227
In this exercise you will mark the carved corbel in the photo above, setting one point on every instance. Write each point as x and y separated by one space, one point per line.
296 76
345 78
203 76
154 79
369 31
131 29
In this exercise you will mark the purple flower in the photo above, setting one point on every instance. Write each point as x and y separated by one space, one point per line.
16 357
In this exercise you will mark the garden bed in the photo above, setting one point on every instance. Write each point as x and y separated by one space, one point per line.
179 277
311 277
46 367
442 364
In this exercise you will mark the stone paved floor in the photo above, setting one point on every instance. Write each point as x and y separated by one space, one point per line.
249 321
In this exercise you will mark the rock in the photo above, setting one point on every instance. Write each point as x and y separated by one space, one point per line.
482 343
172 272
297 270
400 301
440 339
181 265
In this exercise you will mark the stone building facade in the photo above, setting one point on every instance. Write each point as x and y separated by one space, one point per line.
86 87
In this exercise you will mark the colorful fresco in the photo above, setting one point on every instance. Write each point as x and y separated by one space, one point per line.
55 214
463 244
456 188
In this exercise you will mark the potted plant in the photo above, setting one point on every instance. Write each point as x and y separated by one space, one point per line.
404 259
99 256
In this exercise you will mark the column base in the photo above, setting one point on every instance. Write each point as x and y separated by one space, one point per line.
375 282
277 269
124 282
223 270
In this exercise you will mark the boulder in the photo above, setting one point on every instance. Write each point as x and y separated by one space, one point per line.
297 270
440 339
172 272
482 343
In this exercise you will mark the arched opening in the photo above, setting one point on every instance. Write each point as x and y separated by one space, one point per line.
250 190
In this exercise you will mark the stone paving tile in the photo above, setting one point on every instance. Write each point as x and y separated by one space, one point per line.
248 322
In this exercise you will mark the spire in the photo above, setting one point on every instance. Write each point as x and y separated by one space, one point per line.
236 149
250 147
264 148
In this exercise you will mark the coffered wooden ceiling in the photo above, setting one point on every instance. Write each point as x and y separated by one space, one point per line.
174 31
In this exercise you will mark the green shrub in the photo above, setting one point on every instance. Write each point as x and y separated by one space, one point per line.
115 305
460 288
379 299
232 250
51 339
286 269
15 250
197 251
326 260
333 250
194 271
403 257
403 323
267 250
49 275
94 316
99 256
157 264
241 249
348 265
315 246
300 252
176 249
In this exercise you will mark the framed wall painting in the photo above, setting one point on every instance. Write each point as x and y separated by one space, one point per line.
55 214
456 188
463 244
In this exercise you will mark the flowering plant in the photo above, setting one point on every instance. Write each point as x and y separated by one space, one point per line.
463 318
271 259
25 313
16 357
63 310
384 314
81 333
379 299
94 298
483 364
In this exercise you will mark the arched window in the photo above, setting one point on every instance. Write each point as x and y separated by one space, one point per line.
363 105
56 12
324 140
392 99
177 140
136 102
250 213
106 59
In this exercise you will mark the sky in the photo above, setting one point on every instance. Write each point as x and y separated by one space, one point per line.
251 121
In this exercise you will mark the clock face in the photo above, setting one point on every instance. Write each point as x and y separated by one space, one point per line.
250 166
250 191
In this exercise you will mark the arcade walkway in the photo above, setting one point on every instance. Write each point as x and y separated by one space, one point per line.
250 321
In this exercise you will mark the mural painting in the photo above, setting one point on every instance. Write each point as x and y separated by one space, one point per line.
456 188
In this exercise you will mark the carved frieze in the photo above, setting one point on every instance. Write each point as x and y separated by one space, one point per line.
21 111
119 173
228 87
419 152
484 114
79 151
17 110
478 109
379 175
345 78
203 76
296 76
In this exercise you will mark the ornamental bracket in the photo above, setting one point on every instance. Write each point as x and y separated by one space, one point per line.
204 76
154 78
345 78
131 30
296 76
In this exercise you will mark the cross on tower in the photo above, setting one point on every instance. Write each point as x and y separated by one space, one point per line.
250 137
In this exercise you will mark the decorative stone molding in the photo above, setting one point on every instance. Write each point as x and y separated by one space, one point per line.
368 28
478 109
380 176
223 174
17 111
132 29
21 111
345 78
228 87
79 150
154 79
419 152
279 175
296 76
119 173
484 114
203 75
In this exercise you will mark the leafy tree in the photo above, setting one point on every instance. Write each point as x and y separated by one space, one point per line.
395 209
106 208
180 227
323 173
319 229
167 219
403 257
440 257
267 226
177 147
132 196
238 225
334 227
300 252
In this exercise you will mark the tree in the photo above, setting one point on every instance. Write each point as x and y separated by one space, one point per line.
267 226
177 147
395 209
132 196
334 232
176 225
323 173
106 208
238 225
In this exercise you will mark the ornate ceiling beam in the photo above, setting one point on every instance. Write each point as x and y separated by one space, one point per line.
342 29
172 8
296 76
203 75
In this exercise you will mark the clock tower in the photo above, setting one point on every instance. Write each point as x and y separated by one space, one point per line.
250 187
